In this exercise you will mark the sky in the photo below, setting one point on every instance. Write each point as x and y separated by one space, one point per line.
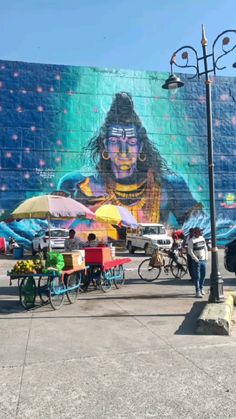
126 34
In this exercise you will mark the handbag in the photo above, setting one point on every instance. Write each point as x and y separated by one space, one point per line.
157 260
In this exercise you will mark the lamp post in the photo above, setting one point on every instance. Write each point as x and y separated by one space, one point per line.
174 82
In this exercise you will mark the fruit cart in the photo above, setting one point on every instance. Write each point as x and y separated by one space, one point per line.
79 268
103 270
52 286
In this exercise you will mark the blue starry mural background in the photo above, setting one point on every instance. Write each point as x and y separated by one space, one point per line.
48 114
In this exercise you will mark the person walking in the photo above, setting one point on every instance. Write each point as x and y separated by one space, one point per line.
189 258
197 249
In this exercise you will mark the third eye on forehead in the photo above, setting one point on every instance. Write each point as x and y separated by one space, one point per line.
122 132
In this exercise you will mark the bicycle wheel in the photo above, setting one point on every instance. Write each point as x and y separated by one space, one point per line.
182 259
105 281
27 291
178 270
119 275
148 273
72 281
56 292
43 289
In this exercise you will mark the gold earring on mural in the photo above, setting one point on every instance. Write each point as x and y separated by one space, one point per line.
105 155
142 157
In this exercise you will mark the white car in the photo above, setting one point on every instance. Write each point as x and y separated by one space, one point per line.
41 239
146 236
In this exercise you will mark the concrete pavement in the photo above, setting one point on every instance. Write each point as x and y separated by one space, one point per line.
130 353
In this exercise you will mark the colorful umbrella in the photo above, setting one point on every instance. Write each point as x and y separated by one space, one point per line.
114 214
52 207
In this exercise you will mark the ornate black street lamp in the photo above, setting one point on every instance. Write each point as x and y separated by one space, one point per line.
174 82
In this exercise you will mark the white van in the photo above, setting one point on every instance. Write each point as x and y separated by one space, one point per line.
147 235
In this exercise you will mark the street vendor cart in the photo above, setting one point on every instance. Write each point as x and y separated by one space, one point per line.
103 269
51 287
79 268
62 275
55 284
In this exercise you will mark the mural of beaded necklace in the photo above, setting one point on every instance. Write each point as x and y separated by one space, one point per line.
144 197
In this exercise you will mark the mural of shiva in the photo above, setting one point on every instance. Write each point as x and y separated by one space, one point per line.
130 171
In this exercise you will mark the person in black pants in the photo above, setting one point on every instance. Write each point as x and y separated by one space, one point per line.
189 259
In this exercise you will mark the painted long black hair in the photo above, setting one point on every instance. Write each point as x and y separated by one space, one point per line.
122 112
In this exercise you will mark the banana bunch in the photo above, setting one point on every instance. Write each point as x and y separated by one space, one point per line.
27 266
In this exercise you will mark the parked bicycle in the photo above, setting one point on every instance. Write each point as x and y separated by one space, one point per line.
168 261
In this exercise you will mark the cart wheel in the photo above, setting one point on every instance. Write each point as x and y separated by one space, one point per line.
27 292
106 281
72 281
56 292
119 275
43 289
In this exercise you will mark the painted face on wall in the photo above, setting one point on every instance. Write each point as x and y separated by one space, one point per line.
123 147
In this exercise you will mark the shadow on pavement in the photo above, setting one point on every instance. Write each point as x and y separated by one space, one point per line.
159 281
14 306
10 290
229 282
10 306
136 297
189 324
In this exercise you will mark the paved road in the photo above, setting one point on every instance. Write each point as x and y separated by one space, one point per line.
130 353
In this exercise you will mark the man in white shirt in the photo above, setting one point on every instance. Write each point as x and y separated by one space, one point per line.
72 243
197 250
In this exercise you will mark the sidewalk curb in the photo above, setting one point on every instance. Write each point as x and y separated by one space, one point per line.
215 319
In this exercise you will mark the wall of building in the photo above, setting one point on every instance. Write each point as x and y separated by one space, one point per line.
54 137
